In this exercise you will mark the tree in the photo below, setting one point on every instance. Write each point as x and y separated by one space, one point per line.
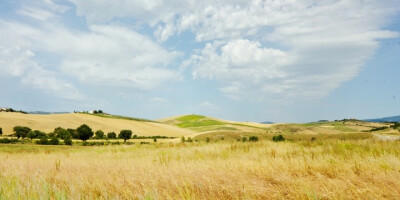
189 139
40 134
99 134
21 131
61 133
154 139
125 134
183 139
111 135
84 132
31 135
1 131
54 141
73 133
68 141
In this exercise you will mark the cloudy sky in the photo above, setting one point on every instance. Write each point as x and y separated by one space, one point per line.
261 60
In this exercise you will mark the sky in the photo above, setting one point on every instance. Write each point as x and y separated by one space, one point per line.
244 60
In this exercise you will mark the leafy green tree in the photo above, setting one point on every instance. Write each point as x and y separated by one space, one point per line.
1 131
40 134
99 134
31 135
84 132
21 131
61 133
73 133
111 135
125 134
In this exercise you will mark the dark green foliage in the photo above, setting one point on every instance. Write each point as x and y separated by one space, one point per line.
189 139
62 133
313 139
125 134
379 128
154 139
84 132
1 131
8 141
68 141
222 138
51 135
244 139
134 136
253 139
396 125
21 131
278 138
31 135
207 139
42 141
111 135
183 139
73 133
54 141
99 134
40 134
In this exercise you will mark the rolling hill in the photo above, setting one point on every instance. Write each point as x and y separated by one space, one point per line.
47 123
385 119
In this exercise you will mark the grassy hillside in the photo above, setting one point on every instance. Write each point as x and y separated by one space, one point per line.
47 123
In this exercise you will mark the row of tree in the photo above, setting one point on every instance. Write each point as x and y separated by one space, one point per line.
83 132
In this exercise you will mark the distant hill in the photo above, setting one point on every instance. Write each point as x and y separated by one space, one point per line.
267 122
385 119
45 113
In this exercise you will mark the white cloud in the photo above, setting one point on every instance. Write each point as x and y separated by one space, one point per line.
281 48
206 108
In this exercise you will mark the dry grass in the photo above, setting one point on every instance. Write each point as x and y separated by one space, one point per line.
331 169
47 123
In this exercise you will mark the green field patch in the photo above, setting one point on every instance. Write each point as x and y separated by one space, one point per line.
191 118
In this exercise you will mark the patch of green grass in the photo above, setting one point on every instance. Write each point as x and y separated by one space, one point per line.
121 117
206 122
191 118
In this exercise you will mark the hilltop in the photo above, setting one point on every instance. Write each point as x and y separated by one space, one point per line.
47 123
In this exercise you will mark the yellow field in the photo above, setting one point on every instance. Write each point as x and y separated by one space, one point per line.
329 169
47 123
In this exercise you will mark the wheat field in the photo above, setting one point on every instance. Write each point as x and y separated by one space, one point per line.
48 123
326 169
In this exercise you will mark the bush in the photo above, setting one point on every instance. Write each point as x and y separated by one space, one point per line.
125 134
68 141
313 139
253 139
111 135
8 141
84 132
183 139
99 134
62 133
244 139
154 139
42 141
189 139
54 141
278 138
1 131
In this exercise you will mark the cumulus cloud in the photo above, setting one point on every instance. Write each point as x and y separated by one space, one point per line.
281 48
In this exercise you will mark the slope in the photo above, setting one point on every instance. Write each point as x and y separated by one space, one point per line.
47 123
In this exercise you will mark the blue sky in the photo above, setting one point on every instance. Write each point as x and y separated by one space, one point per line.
281 61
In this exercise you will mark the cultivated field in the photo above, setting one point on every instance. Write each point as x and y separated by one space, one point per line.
322 169
47 123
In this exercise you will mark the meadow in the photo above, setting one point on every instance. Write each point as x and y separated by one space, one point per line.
319 169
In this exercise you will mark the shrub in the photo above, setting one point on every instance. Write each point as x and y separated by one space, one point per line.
183 139
99 134
40 134
42 141
54 141
8 141
125 134
31 135
111 135
68 141
73 133
21 131
1 131
84 132
278 138
62 133
154 139
313 139
253 138
189 139
207 139
244 139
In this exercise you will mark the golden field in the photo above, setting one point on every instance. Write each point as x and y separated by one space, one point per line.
48 123
322 169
